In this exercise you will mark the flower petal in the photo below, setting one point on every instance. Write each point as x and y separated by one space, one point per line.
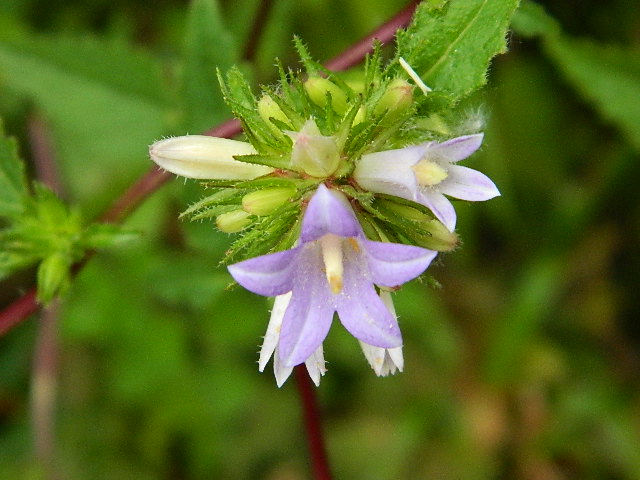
393 264
316 366
267 275
455 149
360 309
272 336
308 317
365 317
390 171
468 184
280 370
439 205
328 212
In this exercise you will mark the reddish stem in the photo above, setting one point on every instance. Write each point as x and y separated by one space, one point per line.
313 425
385 33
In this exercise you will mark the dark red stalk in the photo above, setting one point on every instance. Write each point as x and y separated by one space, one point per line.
313 425
44 376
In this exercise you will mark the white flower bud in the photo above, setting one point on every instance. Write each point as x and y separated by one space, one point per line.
204 157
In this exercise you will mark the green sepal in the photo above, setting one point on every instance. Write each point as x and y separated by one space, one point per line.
274 161
265 234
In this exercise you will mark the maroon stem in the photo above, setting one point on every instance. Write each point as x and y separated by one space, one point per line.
44 385
313 425
385 33
259 24
44 378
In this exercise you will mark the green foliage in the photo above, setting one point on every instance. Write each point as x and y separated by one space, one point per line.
104 100
40 228
582 62
451 44
209 45
13 184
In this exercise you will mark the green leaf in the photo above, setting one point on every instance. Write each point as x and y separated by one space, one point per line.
104 235
531 20
13 184
104 102
607 76
208 46
451 46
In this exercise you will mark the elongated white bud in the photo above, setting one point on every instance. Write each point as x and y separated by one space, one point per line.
200 156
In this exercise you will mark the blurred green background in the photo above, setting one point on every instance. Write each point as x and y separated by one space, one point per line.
525 364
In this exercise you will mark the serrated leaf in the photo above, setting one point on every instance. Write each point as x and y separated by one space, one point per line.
450 47
13 183
208 46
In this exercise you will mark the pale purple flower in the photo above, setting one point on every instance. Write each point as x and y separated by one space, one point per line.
427 172
333 269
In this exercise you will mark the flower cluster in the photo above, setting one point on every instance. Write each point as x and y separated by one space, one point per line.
340 198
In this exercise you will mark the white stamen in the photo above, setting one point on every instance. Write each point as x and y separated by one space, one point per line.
412 73
332 256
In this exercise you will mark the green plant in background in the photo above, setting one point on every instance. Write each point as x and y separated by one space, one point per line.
522 365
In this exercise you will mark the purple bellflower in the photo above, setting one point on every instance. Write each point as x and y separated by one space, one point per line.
333 269
427 172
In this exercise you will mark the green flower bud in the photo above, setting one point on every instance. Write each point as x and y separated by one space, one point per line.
268 108
53 276
313 153
360 116
317 88
397 98
232 222
264 202
430 233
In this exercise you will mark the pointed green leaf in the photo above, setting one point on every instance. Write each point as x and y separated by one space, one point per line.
104 101
208 45
608 76
13 185
451 46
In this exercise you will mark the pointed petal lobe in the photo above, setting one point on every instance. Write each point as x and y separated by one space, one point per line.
328 212
468 184
268 275
455 149
393 264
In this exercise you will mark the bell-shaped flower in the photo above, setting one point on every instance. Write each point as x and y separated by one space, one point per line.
427 172
204 157
333 269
